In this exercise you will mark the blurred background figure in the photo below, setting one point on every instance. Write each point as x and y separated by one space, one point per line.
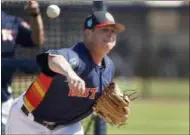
166 54
151 56
14 30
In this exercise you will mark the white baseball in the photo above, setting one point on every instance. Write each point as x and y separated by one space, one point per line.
53 11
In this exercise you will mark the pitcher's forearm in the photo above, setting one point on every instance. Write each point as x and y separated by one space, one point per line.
59 64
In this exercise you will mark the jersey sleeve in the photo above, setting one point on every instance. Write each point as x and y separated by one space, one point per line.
69 55
24 35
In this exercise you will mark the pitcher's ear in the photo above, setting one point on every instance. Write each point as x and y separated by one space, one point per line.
87 33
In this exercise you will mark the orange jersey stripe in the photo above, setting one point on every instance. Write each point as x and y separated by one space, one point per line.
33 97
28 105
45 80
40 86
37 91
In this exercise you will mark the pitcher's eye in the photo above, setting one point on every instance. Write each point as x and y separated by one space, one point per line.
113 31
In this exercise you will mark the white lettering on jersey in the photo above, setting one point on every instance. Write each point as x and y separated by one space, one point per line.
7 35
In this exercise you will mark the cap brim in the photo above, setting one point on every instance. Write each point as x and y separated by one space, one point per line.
119 27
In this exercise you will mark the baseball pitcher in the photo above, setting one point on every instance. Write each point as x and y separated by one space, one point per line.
72 84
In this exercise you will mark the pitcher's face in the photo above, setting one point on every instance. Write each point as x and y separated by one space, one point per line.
103 39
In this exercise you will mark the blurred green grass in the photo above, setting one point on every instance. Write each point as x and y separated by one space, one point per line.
166 111
153 117
158 88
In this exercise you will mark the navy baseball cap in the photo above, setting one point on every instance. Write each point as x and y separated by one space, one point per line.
101 19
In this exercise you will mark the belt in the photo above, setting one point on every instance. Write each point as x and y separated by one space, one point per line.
49 125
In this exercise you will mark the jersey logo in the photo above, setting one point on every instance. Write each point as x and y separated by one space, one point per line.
7 34
73 62
89 92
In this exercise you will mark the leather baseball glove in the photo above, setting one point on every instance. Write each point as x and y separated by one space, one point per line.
112 105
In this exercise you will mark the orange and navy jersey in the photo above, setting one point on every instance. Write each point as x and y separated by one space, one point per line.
49 96
37 91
